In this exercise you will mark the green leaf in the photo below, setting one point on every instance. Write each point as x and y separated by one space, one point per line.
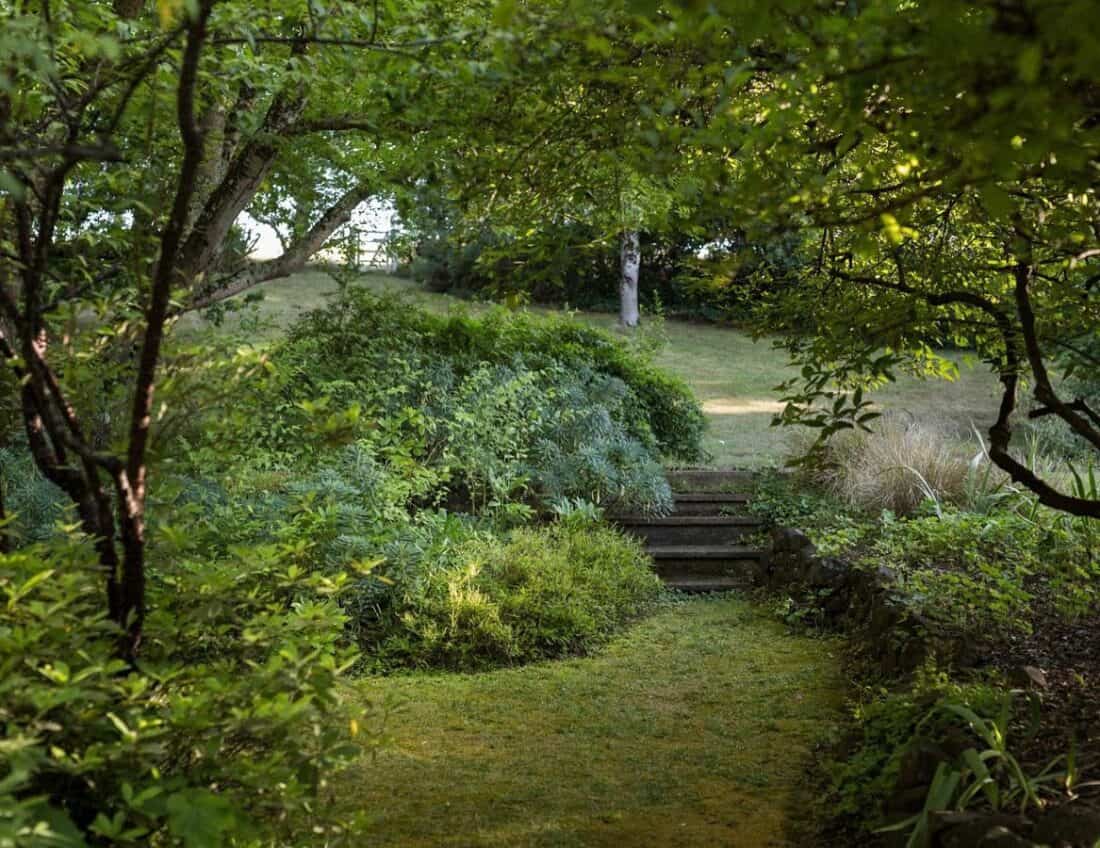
1030 63
200 818
997 202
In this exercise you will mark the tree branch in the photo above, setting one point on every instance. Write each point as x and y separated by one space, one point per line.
294 259
242 179
1044 389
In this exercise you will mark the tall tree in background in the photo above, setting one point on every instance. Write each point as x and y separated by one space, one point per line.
563 137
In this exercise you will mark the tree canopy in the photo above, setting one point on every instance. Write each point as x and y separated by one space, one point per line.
935 162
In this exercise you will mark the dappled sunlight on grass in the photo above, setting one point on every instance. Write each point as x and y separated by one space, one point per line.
729 406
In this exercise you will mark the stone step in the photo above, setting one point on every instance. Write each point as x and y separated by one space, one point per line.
708 503
705 552
698 585
698 530
718 561
709 480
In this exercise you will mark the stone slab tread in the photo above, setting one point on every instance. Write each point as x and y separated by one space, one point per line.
704 552
710 497
705 584
690 521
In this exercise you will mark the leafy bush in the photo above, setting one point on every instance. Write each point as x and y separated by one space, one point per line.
34 504
362 332
476 415
897 728
785 500
985 573
228 732
429 587
538 594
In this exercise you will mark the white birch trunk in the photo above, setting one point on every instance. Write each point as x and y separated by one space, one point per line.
630 262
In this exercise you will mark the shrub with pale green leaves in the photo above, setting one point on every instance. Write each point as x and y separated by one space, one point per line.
228 732
539 593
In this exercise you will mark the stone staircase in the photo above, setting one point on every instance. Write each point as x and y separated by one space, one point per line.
705 545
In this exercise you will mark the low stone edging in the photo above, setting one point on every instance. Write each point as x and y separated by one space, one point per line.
898 640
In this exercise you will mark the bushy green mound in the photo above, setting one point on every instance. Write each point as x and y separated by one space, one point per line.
408 448
241 654
365 342
431 588
536 594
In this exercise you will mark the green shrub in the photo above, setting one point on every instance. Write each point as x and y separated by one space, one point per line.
894 727
33 503
833 526
362 333
477 415
538 594
988 571
429 587
985 573
229 731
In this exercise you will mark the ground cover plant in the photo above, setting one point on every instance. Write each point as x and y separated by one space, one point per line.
1007 723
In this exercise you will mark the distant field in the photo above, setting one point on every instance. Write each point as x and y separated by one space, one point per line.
733 376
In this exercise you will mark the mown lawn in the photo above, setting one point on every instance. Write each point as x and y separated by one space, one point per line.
694 728
733 376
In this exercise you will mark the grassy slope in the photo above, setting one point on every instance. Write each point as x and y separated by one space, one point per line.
732 375
692 729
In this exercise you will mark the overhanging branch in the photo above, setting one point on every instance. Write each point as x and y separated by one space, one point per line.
294 259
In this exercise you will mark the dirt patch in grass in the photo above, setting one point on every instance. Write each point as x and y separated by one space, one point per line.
693 729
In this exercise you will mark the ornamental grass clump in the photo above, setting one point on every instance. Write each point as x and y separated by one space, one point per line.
898 467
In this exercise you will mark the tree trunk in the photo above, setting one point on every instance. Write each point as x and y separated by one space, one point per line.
5 541
631 260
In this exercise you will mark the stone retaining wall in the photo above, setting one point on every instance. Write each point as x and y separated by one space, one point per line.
897 637
868 604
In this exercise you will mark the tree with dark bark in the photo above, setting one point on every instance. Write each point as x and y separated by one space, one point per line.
132 139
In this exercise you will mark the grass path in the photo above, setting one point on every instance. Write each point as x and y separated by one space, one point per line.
733 376
694 728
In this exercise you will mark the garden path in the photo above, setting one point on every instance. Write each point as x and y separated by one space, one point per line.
694 728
